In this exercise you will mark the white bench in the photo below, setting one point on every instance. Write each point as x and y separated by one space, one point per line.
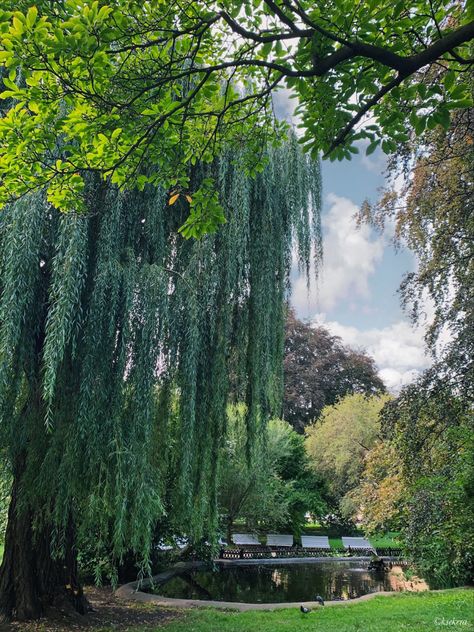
245 539
274 539
357 543
315 542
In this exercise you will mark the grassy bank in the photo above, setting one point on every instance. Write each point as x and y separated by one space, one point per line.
421 612
389 539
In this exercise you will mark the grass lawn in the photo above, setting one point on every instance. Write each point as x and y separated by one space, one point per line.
383 540
388 540
421 612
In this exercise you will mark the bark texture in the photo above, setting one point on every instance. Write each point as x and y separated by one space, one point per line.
31 579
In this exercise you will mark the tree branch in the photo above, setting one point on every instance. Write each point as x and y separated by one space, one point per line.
340 138
282 15
436 50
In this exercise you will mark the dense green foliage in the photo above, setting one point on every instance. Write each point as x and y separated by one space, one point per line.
378 498
273 487
130 83
432 432
422 612
249 487
319 370
119 340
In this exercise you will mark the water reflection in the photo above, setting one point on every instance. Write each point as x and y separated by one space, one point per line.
273 583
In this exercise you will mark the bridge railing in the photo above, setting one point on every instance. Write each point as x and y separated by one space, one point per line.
266 552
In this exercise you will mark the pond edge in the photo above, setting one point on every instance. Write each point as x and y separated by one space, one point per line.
133 590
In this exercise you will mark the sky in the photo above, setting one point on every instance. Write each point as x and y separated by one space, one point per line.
356 295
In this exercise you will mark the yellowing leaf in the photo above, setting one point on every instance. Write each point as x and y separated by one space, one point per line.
18 27
189 198
173 199
31 16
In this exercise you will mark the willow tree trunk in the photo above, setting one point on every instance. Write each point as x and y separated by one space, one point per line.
31 579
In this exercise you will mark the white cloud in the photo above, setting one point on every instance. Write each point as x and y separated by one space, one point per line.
397 349
351 254
284 104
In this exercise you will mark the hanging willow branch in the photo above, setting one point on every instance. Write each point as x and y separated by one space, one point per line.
121 343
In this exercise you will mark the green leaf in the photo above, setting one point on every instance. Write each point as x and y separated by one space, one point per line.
31 16
443 117
419 125
461 104
266 49
372 147
449 79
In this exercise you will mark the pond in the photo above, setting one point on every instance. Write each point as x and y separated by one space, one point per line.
276 582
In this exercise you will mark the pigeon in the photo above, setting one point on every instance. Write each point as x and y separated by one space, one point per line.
320 600
304 609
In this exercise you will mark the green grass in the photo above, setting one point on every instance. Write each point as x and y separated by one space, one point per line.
422 612
389 539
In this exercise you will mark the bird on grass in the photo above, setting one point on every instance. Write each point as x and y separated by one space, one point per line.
304 609
320 600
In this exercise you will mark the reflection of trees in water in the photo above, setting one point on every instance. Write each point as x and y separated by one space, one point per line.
277 578
281 578
195 586
274 583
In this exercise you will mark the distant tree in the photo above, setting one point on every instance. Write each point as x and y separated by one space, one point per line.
248 484
339 441
319 369
378 499
305 489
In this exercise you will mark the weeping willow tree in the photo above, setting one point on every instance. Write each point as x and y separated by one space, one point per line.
119 338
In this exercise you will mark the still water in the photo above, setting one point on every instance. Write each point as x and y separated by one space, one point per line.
272 583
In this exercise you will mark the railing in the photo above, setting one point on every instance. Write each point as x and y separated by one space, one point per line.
389 551
266 552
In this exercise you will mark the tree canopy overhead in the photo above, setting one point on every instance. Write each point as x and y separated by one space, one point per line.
128 83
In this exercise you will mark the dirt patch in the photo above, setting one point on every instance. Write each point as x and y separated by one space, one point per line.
399 581
108 613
